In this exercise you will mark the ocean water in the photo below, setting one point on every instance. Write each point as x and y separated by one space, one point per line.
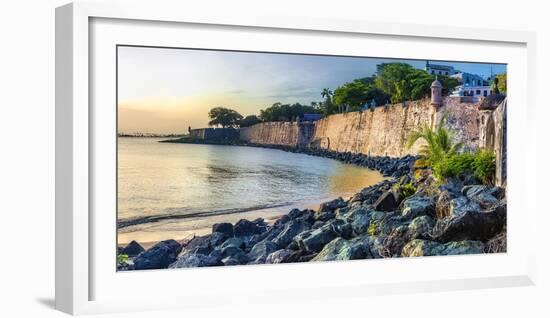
168 190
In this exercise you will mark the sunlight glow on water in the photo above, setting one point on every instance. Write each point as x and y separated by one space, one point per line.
204 183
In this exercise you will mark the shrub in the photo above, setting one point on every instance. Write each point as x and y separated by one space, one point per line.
373 228
122 259
406 190
481 164
484 166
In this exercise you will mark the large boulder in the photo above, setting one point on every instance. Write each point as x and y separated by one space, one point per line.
306 215
132 249
199 245
290 230
324 216
217 238
419 247
225 228
360 224
462 205
332 205
315 240
417 205
340 249
420 226
471 225
237 259
485 196
280 256
159 256
196 260
246 228
388 201
260 251
233 241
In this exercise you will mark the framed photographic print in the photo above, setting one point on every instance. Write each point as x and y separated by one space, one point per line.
243 155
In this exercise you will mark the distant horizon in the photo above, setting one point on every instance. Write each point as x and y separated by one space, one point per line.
166 90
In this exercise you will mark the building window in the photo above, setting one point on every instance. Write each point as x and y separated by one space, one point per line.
478 92
446 73
432 71
485 93
478 83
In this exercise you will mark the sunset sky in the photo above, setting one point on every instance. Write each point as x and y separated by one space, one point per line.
167 90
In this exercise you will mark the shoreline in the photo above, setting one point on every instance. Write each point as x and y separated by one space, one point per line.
371 163
384 220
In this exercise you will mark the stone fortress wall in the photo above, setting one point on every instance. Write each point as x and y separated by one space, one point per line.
380 132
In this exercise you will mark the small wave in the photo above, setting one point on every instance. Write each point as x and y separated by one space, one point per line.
163 217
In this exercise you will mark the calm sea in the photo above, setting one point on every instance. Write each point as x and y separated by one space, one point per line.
170 190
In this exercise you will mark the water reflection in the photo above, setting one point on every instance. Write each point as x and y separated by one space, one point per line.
160 179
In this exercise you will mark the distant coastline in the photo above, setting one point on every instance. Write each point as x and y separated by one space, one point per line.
149 135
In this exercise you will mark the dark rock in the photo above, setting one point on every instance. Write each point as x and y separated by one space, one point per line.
306 215
282 220
293 246
388 201
236 259
429 248
340 249
360 224
159 256
332 205
462 205
196 260
230 251
315 240
246 228
325 216
317 224
280 256
344 230
132 249
225 228
417 205
217 238
471 225
420 226
260 251
233 241
290 230
199 241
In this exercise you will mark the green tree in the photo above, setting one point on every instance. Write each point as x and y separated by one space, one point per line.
501 79
286 112
438 145
402 82
357 93
249 120
225 117
327 106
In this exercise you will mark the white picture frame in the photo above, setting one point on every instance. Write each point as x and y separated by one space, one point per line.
78 147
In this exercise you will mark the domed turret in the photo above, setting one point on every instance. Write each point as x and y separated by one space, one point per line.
437 98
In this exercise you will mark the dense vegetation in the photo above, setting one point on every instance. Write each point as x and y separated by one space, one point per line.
224 117
286 112
442 155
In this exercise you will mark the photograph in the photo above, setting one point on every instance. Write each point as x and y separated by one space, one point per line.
231 158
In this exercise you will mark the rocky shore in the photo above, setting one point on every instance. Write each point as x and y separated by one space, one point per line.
405 216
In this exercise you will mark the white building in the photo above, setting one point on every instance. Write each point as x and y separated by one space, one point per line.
474 92
436 69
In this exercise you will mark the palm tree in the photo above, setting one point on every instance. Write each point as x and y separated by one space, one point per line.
439 143
326 93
